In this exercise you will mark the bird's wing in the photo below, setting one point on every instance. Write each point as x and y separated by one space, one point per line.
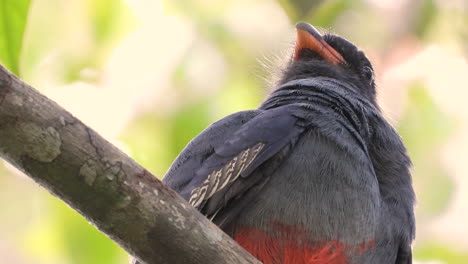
228 152
183 169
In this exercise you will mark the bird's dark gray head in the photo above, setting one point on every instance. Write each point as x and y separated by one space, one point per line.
330 56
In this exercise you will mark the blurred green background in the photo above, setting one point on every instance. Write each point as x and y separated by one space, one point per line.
149 75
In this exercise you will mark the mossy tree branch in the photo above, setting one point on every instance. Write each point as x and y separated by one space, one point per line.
108 188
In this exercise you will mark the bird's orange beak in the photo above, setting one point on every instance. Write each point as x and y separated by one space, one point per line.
308 37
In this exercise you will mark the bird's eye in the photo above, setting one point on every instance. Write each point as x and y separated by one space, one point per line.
368 73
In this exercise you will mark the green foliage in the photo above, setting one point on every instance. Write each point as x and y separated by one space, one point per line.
320 13
147 136
424 129
186 123
300 9
14 14
82 243
63 233
109 19
326 14
74 36
155 140
437 251
425 17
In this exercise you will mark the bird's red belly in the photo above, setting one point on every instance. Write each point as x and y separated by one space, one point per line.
293 247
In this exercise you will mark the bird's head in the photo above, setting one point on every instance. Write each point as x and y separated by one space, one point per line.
329 56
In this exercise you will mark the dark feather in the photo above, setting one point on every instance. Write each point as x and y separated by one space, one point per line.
321 128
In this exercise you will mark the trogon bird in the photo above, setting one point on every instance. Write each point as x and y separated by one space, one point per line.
315 175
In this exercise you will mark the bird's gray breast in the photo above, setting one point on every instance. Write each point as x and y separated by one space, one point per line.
321 189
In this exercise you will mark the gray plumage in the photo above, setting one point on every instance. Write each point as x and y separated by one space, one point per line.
329 162
315 163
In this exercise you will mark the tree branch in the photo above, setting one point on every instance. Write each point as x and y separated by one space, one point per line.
112 191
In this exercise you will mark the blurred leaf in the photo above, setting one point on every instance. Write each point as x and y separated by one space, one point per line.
59 233
425 129
147 138
109 18
83 243
110 21
433 251
187 123
326 14
155 141
79 46
43 239
298 10
463 34
211 24
241 93
319 13
424 17
241 89
14 14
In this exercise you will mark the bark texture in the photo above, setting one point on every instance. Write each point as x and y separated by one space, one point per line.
108 188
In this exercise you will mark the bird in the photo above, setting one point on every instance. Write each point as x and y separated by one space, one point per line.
315 174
